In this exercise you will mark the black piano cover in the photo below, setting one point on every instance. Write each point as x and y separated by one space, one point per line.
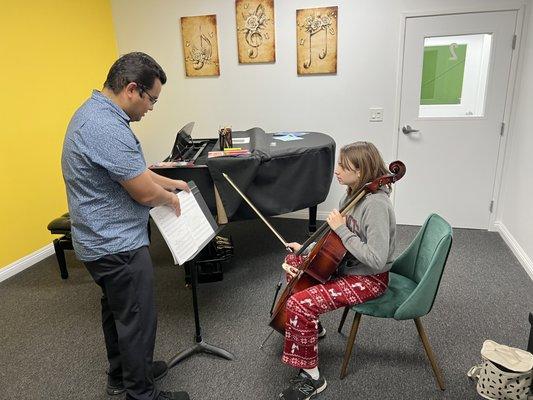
278 179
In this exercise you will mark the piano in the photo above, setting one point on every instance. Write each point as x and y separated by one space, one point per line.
279 176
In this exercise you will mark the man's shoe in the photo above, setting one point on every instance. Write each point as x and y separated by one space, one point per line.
116 387
173 396
303 387
321 331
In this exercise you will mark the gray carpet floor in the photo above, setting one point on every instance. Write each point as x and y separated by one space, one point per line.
51 345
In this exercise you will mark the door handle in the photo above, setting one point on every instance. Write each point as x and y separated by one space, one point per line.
407 130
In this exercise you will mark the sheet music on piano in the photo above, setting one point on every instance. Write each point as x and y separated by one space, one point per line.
187 234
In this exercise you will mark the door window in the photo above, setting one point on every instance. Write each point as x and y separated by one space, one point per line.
454 76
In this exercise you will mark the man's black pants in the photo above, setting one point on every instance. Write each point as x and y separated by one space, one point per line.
129 318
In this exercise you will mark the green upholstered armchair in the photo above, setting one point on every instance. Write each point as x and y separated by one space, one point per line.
413 283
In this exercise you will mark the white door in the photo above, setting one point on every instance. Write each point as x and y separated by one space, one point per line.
454 84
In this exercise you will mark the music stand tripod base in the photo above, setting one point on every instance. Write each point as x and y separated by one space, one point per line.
200 346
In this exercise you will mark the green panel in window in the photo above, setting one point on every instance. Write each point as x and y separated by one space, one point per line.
442 74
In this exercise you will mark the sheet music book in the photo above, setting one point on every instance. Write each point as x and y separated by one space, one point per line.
187 234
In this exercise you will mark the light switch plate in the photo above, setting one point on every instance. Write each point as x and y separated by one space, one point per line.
376 114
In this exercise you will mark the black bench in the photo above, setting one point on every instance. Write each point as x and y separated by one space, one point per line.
61 226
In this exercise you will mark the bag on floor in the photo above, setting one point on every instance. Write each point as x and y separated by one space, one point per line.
504 374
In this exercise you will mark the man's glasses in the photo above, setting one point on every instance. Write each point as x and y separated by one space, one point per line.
142 90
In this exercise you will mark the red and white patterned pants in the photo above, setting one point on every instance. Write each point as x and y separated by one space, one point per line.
303 308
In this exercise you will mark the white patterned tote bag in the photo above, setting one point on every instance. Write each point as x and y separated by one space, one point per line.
504 374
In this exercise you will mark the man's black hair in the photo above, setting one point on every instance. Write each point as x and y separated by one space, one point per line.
134 67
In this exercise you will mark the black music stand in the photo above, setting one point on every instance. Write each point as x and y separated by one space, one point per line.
200 346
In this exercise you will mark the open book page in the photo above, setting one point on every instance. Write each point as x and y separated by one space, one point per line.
192 215
184 234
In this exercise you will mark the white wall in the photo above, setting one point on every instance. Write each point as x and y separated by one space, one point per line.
273 97
515 211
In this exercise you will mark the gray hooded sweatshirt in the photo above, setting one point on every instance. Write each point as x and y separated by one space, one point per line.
369 235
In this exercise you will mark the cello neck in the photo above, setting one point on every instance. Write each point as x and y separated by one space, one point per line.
324 228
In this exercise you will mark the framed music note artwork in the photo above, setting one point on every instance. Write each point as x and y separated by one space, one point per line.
255 31
200 45
316 35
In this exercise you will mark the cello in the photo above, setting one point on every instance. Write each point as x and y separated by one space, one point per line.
329 250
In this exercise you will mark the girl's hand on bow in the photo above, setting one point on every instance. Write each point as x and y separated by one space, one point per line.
294 246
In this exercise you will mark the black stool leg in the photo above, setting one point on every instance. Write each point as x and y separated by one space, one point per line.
60 255
312 219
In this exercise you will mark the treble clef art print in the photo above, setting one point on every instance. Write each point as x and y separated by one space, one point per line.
255 30
317 40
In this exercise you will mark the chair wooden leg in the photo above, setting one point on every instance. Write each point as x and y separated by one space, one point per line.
429 353
350 343
344 315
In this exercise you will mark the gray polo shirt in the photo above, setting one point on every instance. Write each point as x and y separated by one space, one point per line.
100 150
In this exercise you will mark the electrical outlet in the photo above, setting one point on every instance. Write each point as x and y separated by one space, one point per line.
376 115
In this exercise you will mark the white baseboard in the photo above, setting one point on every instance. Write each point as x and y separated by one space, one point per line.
515 247
25 262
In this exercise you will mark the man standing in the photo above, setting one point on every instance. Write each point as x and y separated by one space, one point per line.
110 192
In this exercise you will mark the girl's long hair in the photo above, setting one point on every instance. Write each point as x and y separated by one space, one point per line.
365 157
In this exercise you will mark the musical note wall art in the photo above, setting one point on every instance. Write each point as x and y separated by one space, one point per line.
255 31
200 45
316 40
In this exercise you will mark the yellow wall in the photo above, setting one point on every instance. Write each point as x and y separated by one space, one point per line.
52 54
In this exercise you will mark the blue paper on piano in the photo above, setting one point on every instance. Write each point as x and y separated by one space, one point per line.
288 137
290 133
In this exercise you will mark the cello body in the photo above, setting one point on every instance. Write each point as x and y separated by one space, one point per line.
322 262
